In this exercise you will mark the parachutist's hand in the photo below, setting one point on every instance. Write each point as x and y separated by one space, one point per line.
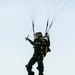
47 35
26 38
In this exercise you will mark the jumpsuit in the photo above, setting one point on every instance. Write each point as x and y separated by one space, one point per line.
39 53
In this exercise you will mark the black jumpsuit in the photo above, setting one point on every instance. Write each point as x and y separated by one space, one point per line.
38 55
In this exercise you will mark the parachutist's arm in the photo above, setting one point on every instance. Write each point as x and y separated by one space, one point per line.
29 40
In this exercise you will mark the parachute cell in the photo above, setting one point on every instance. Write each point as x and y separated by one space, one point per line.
53 9
31 6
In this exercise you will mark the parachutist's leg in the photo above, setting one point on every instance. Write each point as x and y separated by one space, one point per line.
31 73
29 66
40 66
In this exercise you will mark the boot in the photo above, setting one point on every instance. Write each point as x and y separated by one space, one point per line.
41 74
31 73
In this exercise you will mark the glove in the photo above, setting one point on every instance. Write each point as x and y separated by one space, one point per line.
26 38
47 35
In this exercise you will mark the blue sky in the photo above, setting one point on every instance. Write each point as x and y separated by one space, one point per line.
15 52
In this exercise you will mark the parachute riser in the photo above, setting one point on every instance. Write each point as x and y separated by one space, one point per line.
47 29
33 27
47 26
50 25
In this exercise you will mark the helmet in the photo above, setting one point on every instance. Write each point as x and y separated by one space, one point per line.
38 33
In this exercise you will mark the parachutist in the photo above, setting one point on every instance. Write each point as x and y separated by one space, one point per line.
41 47
41 43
